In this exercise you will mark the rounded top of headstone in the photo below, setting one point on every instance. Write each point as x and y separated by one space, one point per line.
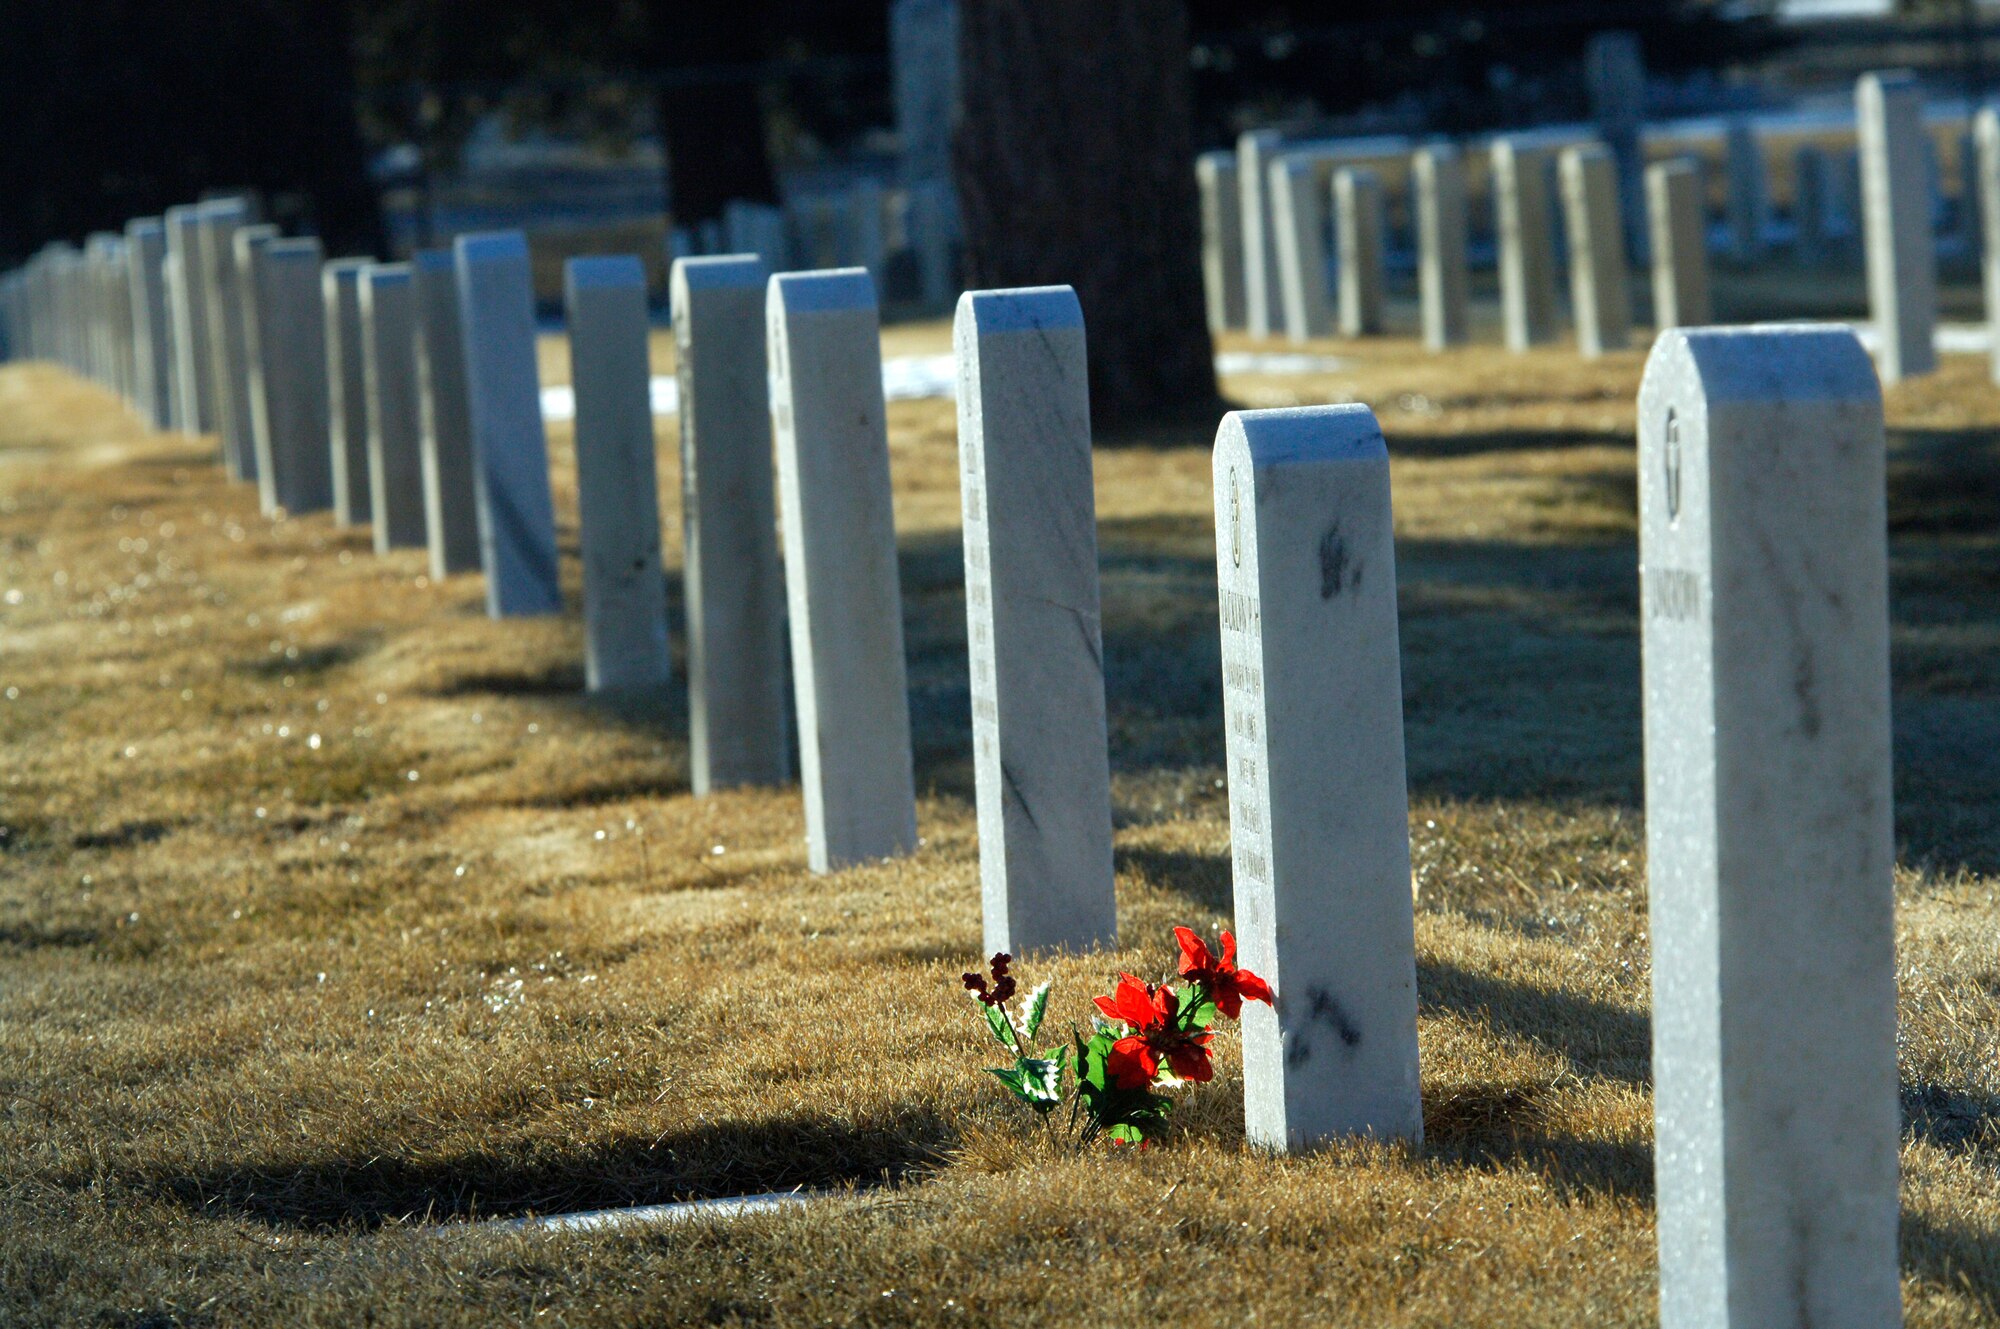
1023 309
620 271
1293 435
490 246
822 292
1761 362
707 271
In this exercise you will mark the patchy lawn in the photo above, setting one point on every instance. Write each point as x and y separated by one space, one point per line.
332 915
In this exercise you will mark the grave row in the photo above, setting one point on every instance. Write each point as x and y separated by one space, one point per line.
1295 233
1761 461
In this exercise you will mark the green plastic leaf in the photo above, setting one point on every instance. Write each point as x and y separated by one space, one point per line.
1041 1080
1034 1009
996 1020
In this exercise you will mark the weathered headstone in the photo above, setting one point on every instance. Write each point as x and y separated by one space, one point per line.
735 589
1039 741
217 222
517 522
1298 226
1318 807
1986 133
395 449
841 580
1770 847
444 413
1600 300
245 246
1749 190
347 391
145 249
1444 283
190 314
1527 247
1360 229
1902 261
617 479
1261 306
174 292
1221 239
1680 244
291 341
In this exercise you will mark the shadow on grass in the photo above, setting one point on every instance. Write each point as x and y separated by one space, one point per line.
721 1159
311 661
1508 1124
1596 1037
560 680
1955 1255
1201 879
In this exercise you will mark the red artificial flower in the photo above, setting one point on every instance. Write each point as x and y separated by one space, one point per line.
1003 982
1156 1036
1226 985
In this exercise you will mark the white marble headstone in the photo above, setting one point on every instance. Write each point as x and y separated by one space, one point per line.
1769 835
1896 215
1039 743
347 391
841 579
291 341
738 660
1318 807
451 495
395 454
617 478
517 523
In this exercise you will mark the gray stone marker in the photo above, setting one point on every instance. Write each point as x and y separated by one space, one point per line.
1986 135
1902 262
1527 246
245 246
1749 190
1444 283
291 339
1261 312
617 478
347 391
1040 751
152 370
175 294
1768 829
1679 244
444 415
1318 806
216 224
517 521
395 449
1298 228
737 655
1360 228
191 370
1600 299
1221 239
841 579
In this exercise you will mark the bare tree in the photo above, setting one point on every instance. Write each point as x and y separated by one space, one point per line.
1075 165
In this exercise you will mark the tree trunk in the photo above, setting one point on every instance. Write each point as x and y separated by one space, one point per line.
1075 165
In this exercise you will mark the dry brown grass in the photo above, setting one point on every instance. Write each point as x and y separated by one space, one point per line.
270 1011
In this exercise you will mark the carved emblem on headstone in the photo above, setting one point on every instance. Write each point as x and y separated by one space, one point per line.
1672 462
